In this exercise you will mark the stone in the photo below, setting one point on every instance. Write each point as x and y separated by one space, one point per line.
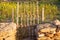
41 26
43 38
49 35
47 27
7 31
45 30
41 35
58 33
56 22
57 38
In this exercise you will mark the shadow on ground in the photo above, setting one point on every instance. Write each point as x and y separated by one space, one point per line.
23 33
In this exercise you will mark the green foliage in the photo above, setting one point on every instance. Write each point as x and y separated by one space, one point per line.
27 10
6 9
50 11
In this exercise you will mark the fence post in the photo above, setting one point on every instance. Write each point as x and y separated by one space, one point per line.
17 13
12 14
43 14
37 13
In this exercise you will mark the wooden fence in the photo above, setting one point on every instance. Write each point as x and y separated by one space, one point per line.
29 13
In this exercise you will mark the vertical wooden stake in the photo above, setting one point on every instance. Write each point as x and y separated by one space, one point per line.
43 14
12 14
37 13
17 13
